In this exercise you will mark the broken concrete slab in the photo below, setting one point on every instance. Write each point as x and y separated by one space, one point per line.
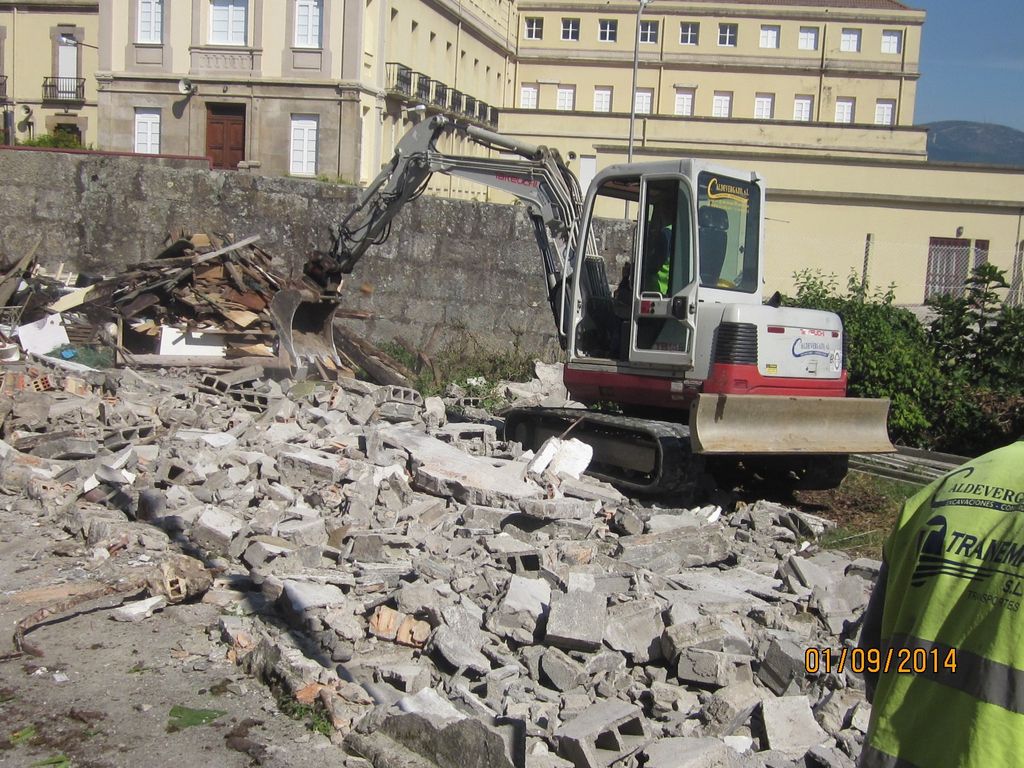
442 470
577 620
789 725
683 752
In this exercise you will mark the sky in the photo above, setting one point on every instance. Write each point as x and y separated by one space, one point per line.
972 61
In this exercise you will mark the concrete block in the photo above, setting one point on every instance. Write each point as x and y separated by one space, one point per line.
459 640
426 730
605 733
303 533
789 725
560 509
664 523
689 752
516 617
670 552
577 620
827 757
590 489
300 467
635 629
214 529
303 596
561 671
782 664
730 707
442 470
712 668
410 677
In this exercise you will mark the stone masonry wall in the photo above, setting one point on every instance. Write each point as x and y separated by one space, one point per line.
450 268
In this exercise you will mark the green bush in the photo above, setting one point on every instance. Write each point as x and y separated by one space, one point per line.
57 140
979 344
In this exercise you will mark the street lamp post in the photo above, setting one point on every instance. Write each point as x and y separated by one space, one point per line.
636 66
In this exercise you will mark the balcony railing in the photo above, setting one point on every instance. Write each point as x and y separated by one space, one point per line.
3 89
422 87
399 78
63 89
412 86
456 101
440 94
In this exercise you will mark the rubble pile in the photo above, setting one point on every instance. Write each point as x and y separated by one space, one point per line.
447 599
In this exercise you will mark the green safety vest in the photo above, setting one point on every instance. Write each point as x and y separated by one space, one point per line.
955 584
663 271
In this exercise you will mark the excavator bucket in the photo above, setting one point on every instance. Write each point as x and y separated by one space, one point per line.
769 424
305 325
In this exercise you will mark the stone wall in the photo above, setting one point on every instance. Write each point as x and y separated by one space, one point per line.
450 268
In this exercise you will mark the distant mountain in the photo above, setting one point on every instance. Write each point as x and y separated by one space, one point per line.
966 142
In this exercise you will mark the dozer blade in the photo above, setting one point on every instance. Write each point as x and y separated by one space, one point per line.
756 424
305 325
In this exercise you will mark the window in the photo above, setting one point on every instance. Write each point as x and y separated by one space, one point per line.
769 36
892 41
534 29
721 106
648 31
570 29
566 100
689 32
849 41
307 23
528 97
727 34
643 101
808 40
764 106
147 131
603 98
684 101
151 21
885 110
803 106
303 150
844 110
949 259
228 21
607 30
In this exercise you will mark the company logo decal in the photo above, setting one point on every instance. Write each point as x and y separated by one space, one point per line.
803 347
719 190
980 560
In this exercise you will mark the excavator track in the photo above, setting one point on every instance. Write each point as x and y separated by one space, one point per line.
639 456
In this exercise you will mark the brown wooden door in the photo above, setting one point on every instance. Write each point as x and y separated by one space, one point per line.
225 135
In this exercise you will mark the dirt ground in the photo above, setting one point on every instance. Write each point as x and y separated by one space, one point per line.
102 693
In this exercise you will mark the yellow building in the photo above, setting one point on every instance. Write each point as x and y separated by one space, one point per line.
842 61
48 54
300 87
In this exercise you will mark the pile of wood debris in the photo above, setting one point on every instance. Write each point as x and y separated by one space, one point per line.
205 300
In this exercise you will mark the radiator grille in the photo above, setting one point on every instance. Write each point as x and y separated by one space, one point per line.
736 344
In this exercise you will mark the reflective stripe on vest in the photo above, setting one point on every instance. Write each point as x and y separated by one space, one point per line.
982 678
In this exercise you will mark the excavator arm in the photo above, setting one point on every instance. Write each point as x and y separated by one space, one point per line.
536 176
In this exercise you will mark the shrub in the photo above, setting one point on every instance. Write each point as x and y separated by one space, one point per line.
57 140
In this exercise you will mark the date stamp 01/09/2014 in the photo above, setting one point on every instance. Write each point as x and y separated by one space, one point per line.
874 661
